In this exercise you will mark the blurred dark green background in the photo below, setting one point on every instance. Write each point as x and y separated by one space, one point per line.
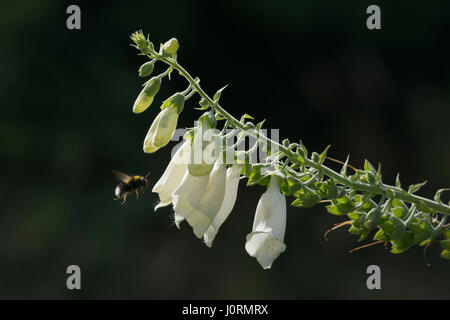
312 68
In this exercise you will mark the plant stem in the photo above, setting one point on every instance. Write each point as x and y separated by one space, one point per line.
388 191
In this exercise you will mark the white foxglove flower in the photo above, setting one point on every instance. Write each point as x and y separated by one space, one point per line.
231 189
172 176
187 195
201 218
265 243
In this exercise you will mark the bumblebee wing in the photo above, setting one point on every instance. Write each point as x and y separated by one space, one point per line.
122 176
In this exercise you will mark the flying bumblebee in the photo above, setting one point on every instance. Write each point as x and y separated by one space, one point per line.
129 184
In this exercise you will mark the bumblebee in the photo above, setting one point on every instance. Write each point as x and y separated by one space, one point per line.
129 184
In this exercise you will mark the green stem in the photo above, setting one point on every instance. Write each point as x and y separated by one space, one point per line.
388 191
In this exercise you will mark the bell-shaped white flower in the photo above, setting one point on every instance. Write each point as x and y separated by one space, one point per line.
146 96
172 176
187 195
203 150
201 218
265 243
231 189
161 130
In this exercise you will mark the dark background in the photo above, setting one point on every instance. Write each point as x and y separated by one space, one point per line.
311 68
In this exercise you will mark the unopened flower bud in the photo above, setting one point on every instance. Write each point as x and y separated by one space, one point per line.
161 130
170 47
146 69
145 98
141 43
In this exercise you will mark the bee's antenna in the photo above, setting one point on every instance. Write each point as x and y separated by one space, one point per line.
147 175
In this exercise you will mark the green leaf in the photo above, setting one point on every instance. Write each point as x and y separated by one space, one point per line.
333 210
304 151
299 156
446 233
415 187
343 205
378 176
305 199
255 176
380 235
437 196
364 235
370 177
217 95
402 244
398 184
369 167
387 226
354 215
445 254
400 209
327 189
354 230
324 154
259 125
247 168
315 157
290 185
416 227
344 167
445 244
246 116
399 228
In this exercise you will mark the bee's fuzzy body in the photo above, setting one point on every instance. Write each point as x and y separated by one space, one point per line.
129 184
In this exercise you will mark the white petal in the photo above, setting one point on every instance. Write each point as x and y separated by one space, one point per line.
199 223
264 247
265 243
187 195
171 177
231 189
148 145
270 214
166 127
212 199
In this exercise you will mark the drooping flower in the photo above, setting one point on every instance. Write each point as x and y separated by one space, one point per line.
163 127
265 242
187 195
172 176
231 188
207 208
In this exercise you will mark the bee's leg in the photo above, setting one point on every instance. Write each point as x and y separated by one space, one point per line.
124 198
